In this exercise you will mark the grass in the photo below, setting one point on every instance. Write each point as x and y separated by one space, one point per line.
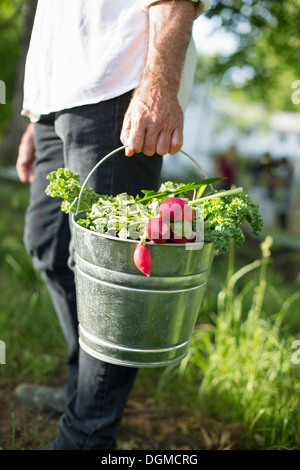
239 370
245 361
26 310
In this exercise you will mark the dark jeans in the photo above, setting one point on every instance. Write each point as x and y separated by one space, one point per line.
78 138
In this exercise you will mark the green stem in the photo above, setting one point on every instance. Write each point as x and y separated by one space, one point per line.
231 260
229 192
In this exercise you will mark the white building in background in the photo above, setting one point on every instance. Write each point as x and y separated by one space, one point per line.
285 135
214 124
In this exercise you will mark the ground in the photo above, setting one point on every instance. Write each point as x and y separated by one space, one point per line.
144 427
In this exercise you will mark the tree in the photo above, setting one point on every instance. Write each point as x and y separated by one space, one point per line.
15 24
267 53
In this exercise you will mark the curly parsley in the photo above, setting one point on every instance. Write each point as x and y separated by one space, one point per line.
223 217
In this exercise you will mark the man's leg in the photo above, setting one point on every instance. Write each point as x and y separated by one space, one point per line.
88 134
47 238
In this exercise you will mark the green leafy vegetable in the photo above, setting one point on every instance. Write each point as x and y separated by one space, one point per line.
223 217
125 216
64 184
170 188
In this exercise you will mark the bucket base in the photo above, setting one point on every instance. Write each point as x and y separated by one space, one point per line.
129 357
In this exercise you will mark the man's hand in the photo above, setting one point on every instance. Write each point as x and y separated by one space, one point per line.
154 119
153 123
26 156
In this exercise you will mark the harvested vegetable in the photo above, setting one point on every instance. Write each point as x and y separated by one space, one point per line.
188 213
158 230
171 209
183 232
222 212
142 258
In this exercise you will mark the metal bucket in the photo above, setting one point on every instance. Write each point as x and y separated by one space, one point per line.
129 319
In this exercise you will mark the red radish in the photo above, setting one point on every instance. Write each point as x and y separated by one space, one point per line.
142 258
171 209
158 230
188 213
182 232
183 239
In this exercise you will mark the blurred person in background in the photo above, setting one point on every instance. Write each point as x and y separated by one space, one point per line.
283 182
226 167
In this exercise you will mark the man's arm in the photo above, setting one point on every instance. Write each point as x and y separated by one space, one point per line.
154 119
26 156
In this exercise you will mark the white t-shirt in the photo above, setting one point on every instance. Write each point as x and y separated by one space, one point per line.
86 51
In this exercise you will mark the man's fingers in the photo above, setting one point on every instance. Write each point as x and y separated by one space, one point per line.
150 141
125 135
26 175
176 141
25 172
163 142
22 174
152 130
135 139
26 156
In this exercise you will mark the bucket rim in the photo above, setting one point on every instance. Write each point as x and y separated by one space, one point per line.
128 240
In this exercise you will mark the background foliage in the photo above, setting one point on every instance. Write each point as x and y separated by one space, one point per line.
267 51
12 19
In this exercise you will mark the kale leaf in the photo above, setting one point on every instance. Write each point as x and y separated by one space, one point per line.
223 217
65 184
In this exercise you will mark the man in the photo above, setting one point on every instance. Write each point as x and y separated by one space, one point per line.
97 74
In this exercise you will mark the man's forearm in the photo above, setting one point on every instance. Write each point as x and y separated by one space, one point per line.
170 27
154 120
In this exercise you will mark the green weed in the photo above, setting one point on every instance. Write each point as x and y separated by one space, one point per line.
26 312
245 360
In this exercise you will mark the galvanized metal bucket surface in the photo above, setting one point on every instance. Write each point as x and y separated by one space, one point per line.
129 319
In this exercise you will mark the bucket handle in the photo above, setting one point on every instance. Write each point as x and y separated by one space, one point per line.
77 199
